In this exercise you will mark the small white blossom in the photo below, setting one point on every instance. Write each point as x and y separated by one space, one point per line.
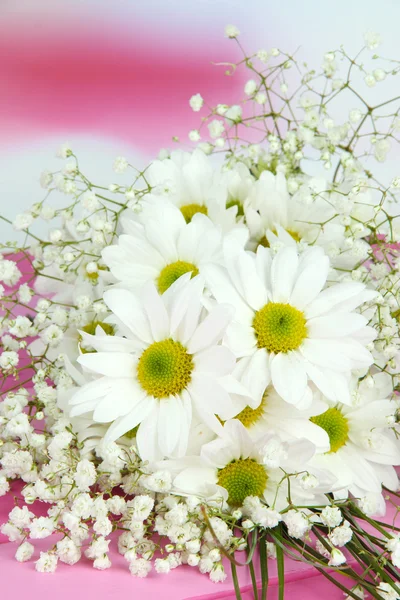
140 567
372 39
47 563
331 516
120 164
24 552
231 31
216 128
296 522
196 102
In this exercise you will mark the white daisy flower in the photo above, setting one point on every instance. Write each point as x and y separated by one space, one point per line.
287 329
234 466
160 246
167 364
362 448
273 216
277 416
191 181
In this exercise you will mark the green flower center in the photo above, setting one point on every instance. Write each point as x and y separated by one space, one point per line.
91 329
240 211
131 434
242 478
172 272
336 426
279 327
250 416
189 210
164 369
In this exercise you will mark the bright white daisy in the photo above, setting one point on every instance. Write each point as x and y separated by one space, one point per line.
193 183
274 216
277 416
159 246
287 329
363 450
168 364
234 466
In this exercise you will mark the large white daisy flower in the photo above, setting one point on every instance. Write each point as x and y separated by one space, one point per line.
167 364
160 246
194 184
236 466
287 329
277 416
275 216
363 450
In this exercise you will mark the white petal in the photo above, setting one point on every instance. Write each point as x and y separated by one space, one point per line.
194 480
254 375
170 415
335 325
325 353
217 360
211 329
156 312
333 296
334 385
129 421
184 298
242 266
147 436
289 376
124 395
240 436
111 364
241 339
128 309
111 343
210 397
309 283
224 291
91 391
283 272
220 453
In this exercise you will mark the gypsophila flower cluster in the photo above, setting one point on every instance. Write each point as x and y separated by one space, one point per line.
207 359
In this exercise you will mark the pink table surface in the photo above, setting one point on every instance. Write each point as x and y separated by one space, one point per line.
184 583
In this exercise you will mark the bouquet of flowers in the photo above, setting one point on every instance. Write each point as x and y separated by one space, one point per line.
202 366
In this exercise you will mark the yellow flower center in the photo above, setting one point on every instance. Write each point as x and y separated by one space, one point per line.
91 329
336 426
279 327
250 416
172 272
233 202
264 242
164 369
189 210
242 478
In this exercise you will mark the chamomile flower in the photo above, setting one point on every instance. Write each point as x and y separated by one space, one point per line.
277 416
234 466
160 246
167 364
362 450
189 181
287 329
273 216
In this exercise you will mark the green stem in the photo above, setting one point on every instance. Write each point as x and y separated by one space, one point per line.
263 566
281 571
235 582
